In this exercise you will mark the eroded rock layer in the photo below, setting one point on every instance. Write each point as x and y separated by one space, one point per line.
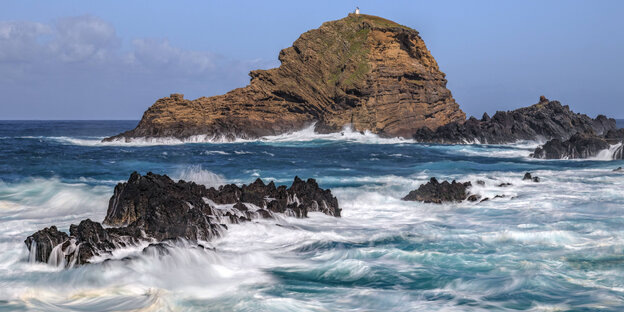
154 208
362 70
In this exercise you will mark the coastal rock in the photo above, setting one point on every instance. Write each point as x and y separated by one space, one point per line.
297 200
436 192
364 71
162 208
544 120
155 208
580 145
528 176
41 243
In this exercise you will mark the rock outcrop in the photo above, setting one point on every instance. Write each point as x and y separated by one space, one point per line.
436 192
529 177
154 208
362 70
544 120
583 145
445 192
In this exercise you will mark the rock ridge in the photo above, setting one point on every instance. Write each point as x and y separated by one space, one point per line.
153 208
545 120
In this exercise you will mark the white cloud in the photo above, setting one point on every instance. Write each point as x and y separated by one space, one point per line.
79 67
84 38
18 40
159 53
91 41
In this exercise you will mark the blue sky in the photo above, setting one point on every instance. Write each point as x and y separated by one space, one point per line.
113 59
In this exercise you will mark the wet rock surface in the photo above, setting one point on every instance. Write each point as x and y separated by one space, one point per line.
154 208
582 146
528 176
448 192
436 192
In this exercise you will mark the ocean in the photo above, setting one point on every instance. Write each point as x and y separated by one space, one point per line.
553 245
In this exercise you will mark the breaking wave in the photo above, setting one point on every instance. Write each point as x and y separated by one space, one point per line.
198 175
304 135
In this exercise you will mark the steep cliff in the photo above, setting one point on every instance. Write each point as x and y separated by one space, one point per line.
362 70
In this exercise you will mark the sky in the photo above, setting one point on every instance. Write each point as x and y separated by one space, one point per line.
112 59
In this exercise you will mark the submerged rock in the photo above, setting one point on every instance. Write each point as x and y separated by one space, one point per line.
528 176
155 208
436 192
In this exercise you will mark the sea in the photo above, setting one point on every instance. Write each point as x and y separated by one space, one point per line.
556 245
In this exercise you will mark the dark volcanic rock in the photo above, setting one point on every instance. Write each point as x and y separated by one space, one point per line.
41 243
436 192
544 120
297 200
528 176
580 145
155 208
162 208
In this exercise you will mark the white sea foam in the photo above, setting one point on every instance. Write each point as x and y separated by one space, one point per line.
498 247
610 153
215 153
304 135
199 175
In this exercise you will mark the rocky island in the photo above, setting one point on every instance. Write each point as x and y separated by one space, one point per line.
153 208
362 70
373 75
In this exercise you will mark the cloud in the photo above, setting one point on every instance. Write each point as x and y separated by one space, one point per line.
85 42
79 67
18 40
158 53
84 38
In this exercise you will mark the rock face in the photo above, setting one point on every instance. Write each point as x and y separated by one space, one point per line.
583 145
154 208
362 70
42 242
544 120
436 192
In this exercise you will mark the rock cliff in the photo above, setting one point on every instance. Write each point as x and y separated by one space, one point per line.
362 70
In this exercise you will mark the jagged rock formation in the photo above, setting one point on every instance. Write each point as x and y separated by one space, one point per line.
436 192
154 208
544 120
362 70
583 145
445 192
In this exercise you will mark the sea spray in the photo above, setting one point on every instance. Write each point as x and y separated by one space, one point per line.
199 175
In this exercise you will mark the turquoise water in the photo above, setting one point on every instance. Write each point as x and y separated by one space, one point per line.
554 245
